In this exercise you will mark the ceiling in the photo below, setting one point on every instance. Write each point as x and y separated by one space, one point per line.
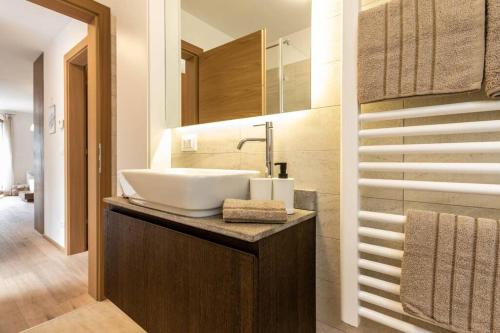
239 18
25 30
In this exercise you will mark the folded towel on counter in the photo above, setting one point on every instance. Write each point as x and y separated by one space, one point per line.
449 274
409 48
254 211
492 72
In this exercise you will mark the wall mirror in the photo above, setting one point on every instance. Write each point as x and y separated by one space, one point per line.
243 59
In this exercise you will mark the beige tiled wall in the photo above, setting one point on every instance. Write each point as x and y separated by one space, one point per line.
310 142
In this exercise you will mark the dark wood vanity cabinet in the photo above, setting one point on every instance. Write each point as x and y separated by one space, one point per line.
175 280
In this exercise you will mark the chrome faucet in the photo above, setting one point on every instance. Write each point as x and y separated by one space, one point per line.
269 146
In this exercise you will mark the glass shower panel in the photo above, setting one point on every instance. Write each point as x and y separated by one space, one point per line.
272 79
296 63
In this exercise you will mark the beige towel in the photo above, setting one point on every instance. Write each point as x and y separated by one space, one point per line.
418 262
458 286
444 267
484 275
410 48
492 72
254 211
463 272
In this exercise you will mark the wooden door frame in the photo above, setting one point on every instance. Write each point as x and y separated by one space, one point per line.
191 54
75 137
98 18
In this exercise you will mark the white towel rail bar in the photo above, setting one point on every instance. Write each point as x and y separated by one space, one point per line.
381 217
383 302
360 229
390 321
429 111
381 234
466 168
470 188
382 251
452 128
379 268
434 148
379 284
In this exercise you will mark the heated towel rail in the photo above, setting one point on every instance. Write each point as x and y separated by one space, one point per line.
352 231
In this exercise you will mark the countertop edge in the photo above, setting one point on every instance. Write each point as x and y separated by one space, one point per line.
300 216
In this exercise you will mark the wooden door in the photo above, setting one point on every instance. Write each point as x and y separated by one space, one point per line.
38 143
232 79
75 146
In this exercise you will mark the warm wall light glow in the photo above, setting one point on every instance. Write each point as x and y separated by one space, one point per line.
242 122
161 157
325 52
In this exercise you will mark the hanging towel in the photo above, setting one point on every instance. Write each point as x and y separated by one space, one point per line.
450 273
254 211
420 47
492 71
417 268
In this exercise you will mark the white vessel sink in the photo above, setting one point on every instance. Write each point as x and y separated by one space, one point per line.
188 192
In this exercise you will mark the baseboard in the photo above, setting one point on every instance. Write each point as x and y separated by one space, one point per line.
53 242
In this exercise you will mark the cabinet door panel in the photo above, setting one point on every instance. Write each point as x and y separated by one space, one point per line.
221 289
197 286
125 281
167 280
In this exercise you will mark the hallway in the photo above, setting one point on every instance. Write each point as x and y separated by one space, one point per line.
38 281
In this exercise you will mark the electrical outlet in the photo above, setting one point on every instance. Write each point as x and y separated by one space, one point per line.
189 142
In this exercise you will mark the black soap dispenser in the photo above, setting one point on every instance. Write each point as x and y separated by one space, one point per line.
284 188
282 174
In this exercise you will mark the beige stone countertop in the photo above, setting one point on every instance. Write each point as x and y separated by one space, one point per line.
250 232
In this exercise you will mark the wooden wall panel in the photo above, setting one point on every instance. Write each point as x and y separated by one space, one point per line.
232 79
38 142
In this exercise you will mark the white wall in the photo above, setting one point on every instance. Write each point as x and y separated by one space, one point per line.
53 63
200 33
130 82
22 144
166 24
164 30
129 102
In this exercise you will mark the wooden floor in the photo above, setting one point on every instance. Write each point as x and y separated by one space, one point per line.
38 282
94 318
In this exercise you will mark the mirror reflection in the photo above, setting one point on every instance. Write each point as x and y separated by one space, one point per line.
244 58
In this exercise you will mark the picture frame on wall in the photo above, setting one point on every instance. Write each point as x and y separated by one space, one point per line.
52 119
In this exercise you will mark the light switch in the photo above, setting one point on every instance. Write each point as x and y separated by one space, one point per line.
189 142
